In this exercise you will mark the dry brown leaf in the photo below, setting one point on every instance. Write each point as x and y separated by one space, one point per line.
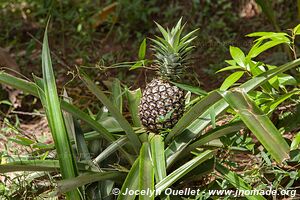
103 14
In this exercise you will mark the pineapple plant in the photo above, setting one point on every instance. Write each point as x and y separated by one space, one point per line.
162 103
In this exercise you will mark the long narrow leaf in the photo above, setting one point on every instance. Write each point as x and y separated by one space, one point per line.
183 170
111 149
113 110
131 182
68 166
75 133
158 156
70 184
214 134
18 83
236 181
259 123
39 165
193 130
146 173
194 113
31 88
133 98
76 112
117 95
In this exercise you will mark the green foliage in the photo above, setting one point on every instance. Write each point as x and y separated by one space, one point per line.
49 98
141 160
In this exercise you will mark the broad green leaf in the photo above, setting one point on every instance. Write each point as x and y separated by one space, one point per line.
262 78
146 172
183 170
229 68
18 83
256 68
195 90
258 122
296 30
285 79
133 98
32 165
212 116
237 55
274 104
230 80
269 36
231 62
117 95
135 142
131 182
204 169
137 65
142 50
274 82
110 123
236 181
158 157
256 50
295 142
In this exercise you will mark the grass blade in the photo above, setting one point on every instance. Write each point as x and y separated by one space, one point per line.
236 181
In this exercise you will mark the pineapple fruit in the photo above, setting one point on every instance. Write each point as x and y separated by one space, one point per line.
162 103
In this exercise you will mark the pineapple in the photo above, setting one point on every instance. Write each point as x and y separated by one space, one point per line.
162 103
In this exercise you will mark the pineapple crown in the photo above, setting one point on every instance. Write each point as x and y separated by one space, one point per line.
171 50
